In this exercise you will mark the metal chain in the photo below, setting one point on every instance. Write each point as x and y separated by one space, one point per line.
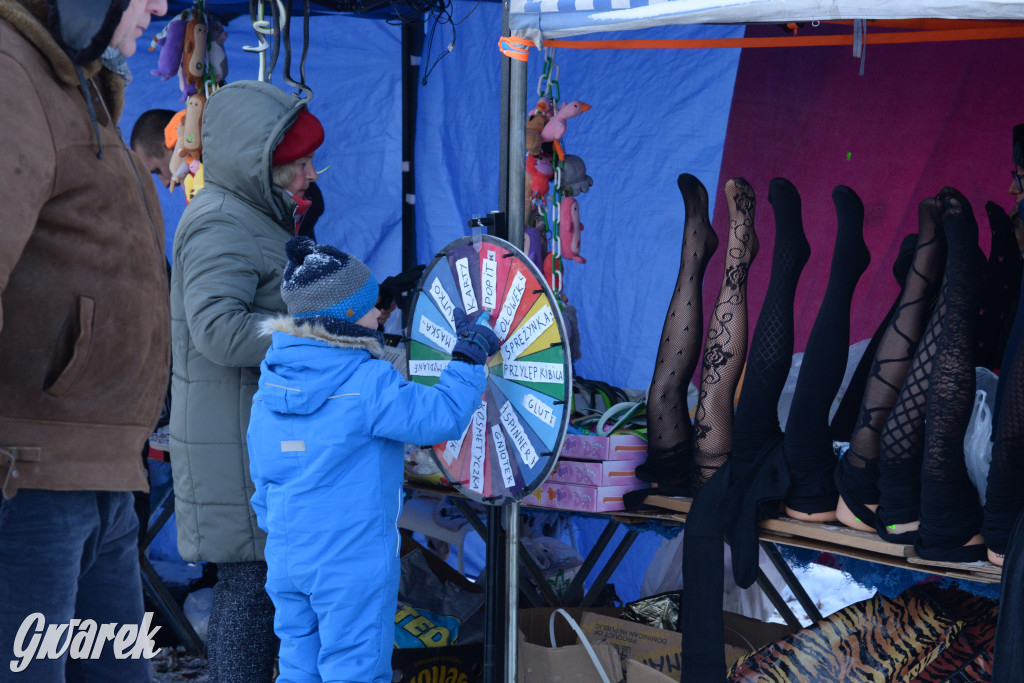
547 86
556 242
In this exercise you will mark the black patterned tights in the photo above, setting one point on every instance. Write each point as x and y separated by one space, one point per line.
669 431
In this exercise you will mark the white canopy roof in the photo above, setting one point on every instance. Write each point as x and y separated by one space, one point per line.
537 20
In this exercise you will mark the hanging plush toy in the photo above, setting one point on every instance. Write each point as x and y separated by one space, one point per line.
540 174
192 139
171 41
533 245
185 169
569 228
555 128
539 171
574 176
217 58
535 123
193 60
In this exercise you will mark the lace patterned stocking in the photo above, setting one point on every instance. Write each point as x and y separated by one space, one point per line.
725 348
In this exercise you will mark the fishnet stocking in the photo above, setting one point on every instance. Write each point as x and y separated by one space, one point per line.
950 511
901 445
726 346
669 431
844 420
771 350
894 356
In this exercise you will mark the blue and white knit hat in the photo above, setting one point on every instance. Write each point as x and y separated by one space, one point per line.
324 285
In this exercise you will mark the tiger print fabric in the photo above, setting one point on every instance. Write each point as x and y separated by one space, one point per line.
968 659
925 635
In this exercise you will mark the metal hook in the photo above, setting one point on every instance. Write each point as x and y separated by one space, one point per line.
261 27
305 92
280 14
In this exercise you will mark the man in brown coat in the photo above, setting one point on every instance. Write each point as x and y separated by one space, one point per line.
84 341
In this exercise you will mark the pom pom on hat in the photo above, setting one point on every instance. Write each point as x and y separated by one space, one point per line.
322 284
304 136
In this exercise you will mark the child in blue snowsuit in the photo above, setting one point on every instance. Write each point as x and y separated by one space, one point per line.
326 456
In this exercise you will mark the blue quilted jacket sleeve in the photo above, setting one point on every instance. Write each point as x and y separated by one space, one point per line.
420 414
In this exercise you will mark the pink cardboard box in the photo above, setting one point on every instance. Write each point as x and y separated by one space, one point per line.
596 472
579 498
614 447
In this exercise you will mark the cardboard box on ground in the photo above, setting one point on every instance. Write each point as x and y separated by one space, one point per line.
641 673
658 649
453 663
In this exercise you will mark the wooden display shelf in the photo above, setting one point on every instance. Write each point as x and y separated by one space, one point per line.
841 540
829 538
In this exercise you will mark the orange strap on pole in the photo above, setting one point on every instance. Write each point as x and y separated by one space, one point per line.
515 48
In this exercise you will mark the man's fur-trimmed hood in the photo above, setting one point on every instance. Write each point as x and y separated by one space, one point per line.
29 18
360 338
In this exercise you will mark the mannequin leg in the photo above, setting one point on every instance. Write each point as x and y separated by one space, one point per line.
857 472
951 515
808 444
771 349
844 420
726 346
669 431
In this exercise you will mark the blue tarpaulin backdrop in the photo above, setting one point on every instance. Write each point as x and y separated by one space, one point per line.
653 116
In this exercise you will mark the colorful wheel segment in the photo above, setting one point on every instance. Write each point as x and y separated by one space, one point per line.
513 440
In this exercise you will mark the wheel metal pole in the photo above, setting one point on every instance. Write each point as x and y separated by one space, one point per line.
511 514
494 605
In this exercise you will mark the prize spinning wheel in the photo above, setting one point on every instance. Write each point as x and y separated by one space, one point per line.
513 440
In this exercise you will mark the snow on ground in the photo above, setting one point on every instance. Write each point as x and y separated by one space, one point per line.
830 589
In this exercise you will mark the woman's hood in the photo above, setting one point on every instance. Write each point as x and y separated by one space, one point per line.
242 125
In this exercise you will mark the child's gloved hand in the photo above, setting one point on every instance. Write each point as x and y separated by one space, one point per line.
477 341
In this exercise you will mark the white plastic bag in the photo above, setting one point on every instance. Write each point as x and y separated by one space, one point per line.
978 438
665 573
197 610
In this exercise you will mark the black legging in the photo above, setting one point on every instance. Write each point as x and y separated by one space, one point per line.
240 643
757 475
808 442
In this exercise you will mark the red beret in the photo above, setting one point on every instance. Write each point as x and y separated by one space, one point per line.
303 138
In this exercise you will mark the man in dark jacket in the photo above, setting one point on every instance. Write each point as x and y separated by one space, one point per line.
84 339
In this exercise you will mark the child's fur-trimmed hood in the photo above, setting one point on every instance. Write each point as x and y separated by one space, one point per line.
360 337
